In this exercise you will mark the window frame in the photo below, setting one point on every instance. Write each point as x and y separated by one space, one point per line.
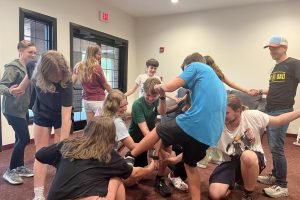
82 32
24 13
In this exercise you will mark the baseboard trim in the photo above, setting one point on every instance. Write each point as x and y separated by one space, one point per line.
10 146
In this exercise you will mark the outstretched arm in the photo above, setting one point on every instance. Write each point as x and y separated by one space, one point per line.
233 85
171 85
139 172
284 118
130 92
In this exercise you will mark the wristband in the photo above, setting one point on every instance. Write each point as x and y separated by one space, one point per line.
162 98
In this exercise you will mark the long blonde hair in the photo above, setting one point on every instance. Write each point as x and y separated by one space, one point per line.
97 142
51 65
112 103
88 67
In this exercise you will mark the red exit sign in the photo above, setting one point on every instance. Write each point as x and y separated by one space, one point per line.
104 16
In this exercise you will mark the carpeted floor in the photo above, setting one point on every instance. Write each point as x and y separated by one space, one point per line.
144 190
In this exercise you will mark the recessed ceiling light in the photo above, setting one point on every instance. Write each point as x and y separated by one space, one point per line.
174 1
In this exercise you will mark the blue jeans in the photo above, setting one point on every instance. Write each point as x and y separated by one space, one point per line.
276 137
22 138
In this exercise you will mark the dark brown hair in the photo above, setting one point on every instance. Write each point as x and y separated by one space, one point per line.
152 62
194 57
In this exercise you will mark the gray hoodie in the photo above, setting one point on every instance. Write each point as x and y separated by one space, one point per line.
14 73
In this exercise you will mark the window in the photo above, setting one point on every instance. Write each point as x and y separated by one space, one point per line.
39 29
113 61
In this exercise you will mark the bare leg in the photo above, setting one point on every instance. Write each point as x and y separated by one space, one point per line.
89 116
218 191
194 180
249 169
41 139
146 143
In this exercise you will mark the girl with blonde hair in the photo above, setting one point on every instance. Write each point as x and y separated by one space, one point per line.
93 81
51 78
115 106
91 158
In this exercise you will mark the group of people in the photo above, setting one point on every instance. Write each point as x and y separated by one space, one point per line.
88 166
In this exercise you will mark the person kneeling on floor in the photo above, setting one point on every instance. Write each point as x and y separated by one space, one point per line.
88 167
241 144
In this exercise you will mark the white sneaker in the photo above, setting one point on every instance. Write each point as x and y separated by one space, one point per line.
24 171
267 180
178 183
12 177
276 191
39 198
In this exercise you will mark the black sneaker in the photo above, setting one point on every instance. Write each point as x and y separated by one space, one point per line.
246 196
162 187
129 159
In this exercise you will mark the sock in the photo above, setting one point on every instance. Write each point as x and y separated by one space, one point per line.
39 191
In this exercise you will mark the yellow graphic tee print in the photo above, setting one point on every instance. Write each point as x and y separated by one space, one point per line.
278 76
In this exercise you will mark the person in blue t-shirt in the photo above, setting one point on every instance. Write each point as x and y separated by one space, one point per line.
197 128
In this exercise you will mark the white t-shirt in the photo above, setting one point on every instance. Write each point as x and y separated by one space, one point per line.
252 125
140 80
121 130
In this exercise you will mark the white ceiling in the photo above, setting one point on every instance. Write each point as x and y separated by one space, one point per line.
146 8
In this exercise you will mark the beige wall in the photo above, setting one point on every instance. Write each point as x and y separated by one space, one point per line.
234 37
66 11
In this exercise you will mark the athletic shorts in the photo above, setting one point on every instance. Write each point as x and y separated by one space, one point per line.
229 172
171 134
92 106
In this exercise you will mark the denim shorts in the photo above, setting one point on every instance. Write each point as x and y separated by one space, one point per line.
45 122
92 106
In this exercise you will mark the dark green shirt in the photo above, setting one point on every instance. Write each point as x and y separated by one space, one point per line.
142 112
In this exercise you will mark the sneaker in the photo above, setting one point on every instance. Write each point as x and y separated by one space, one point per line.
246 197
24 171
267 180
12 177
239 186
178 183
276 191
201 165
39 198
129 159
162 187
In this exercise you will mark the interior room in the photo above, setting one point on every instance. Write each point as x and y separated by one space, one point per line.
130 32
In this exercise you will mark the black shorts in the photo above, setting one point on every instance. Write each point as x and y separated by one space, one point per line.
229 172
171 134
45 122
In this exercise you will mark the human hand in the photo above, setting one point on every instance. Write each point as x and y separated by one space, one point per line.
158 88
15 91
153 165
253 92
